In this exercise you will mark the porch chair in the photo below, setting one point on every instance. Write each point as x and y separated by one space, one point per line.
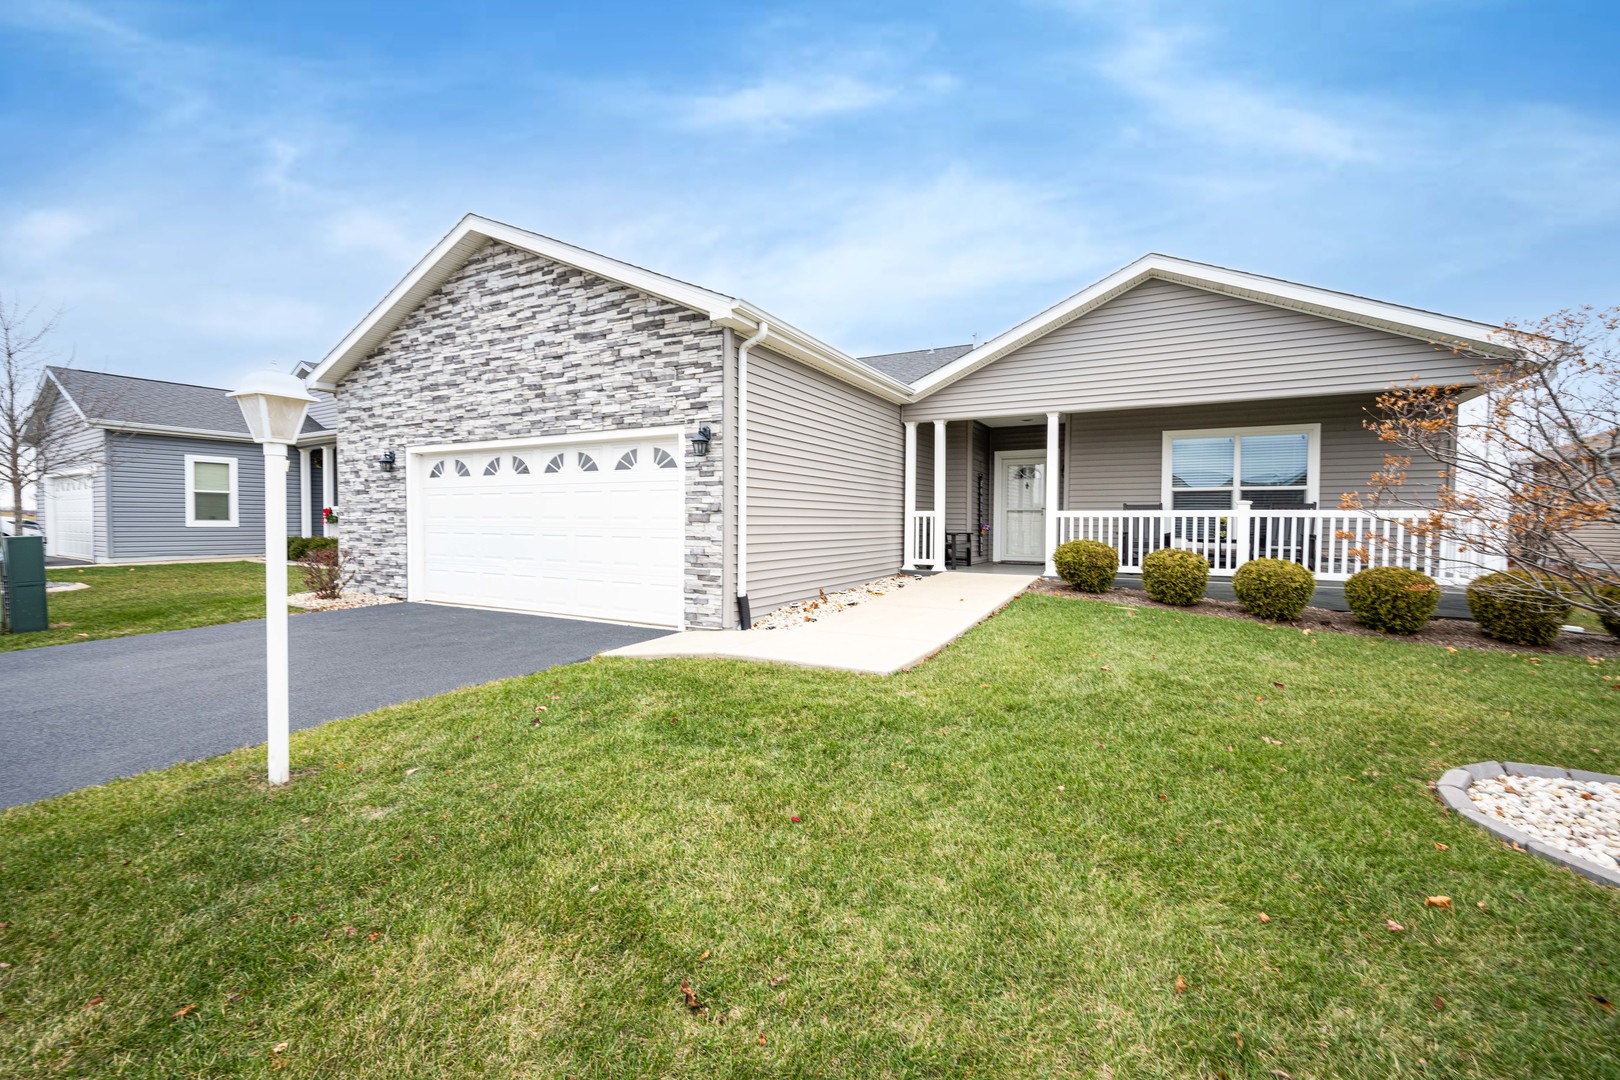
1291 544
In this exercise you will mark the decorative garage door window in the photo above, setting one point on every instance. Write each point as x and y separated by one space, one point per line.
565 463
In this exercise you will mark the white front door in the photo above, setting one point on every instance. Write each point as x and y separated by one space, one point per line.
70 520
589 528
1021 501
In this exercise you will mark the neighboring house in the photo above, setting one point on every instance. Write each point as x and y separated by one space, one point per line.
580 436
1596 544
171 471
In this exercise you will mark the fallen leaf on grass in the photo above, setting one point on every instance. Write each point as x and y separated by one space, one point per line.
778 981
1480 905
1282 1074
1279 686
1181 985
183 1010
1394 926
1439 1003
93 1002
691 997
1441 902
279 1048
1441 847
1264 917
703 956
762 1038
1603 1003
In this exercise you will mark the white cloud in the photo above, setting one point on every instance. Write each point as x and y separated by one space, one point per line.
777 102
1157 67
46 233
374 232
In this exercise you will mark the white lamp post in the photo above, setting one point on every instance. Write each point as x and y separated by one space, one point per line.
273 405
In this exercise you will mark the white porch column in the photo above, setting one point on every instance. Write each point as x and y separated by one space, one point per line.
939 495
303 492
329 477
1050 516
909 552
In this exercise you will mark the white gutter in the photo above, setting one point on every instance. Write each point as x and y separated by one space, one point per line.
744 616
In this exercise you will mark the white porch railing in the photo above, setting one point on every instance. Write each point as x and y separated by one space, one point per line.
1334 544
922 541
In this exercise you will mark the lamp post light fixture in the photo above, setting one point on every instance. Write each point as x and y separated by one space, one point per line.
700 441
273 405
386 462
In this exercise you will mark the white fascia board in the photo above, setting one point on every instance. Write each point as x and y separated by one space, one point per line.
1342 307
453 251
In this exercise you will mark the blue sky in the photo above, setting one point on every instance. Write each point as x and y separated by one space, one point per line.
212 187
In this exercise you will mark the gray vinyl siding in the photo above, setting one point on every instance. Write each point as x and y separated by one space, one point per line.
1166 343
147 499
1604 540
925 467
1116 457
825 483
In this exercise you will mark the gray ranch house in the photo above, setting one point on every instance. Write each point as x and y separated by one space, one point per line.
532 426
167 470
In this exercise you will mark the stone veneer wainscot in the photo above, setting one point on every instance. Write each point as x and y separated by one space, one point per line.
514 345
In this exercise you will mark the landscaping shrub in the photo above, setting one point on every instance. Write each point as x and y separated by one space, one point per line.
299 546
1273 588
1392 599
1175 576
1610 623
324 573
1506 609
1088 565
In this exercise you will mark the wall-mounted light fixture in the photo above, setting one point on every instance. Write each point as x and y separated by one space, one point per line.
700 441
386 462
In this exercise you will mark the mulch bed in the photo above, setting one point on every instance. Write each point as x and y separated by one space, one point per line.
1452 633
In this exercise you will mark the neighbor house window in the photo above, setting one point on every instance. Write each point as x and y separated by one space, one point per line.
210 491
1274 468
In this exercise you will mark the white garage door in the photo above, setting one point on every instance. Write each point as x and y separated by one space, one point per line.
594 530
70 522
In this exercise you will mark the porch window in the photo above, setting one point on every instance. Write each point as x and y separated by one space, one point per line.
1274 468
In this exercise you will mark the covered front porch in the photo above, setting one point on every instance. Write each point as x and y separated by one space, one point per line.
1231 481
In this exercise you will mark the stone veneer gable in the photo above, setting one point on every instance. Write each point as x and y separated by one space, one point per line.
514 345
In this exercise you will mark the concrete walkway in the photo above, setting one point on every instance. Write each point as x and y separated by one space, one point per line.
880 637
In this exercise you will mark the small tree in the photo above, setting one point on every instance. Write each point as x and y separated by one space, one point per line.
1530 472
30 446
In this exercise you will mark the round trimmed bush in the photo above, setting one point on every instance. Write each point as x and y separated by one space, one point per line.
1088 565
1611 623
1274 588
1392 599
1517 607
1175 576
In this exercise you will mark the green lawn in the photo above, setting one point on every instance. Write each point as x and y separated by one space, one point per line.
124 600
1004 863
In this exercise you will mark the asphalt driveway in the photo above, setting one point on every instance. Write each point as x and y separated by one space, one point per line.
76 715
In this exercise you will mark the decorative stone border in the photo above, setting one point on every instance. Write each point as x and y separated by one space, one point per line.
1453 790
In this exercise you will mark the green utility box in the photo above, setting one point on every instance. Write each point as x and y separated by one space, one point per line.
22 578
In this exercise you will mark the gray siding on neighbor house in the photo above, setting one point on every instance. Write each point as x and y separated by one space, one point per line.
1604 540
147 499
1163 343
1117 457
824 466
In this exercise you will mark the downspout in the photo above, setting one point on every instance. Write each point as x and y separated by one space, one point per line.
744 616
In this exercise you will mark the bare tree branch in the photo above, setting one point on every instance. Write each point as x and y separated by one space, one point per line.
1531 470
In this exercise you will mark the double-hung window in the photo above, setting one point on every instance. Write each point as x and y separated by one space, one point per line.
1273 468
210 492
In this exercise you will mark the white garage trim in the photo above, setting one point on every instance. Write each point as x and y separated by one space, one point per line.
553 590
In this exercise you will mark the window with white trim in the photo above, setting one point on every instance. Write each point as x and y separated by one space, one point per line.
1274 468
210 492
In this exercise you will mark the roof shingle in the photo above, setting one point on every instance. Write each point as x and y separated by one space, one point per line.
128 400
